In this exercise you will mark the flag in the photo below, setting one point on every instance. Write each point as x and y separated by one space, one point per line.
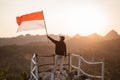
31 21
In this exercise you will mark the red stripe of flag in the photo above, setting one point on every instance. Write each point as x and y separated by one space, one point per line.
29 17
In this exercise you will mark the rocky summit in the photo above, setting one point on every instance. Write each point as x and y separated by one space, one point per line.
64 75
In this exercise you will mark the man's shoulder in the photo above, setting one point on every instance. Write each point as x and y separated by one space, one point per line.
62 42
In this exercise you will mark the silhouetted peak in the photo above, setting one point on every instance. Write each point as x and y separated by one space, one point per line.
112 35
20 36
113 32
27 35
95 35
76 36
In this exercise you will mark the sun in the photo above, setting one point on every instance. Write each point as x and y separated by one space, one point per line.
87 20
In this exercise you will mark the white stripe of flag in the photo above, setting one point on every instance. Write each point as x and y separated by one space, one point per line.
32 21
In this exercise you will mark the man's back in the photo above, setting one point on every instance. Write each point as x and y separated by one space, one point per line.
60 46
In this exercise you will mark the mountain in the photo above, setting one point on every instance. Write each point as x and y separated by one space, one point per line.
21 40
95 35
95 38
76 36
76 40
17 57
112 35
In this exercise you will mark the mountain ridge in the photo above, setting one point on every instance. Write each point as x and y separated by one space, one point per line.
21 40
112 35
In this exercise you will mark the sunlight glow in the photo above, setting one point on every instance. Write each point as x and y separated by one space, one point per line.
88 20
78 19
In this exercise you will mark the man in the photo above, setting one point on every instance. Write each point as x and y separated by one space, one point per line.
60 51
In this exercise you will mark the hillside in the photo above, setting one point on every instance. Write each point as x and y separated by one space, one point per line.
112 35
16 58
21 40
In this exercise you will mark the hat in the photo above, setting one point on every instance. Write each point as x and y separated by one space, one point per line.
62 37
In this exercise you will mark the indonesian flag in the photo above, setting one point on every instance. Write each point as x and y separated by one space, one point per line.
31 21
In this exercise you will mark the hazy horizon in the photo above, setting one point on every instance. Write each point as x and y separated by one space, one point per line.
70 17
59 34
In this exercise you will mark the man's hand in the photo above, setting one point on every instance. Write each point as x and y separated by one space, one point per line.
47 36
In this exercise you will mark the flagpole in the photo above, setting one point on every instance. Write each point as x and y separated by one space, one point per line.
45 25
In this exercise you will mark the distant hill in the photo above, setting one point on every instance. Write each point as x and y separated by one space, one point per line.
22 40
93 48
95 36
112 35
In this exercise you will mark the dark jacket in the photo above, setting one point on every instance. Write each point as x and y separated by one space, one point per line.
60 47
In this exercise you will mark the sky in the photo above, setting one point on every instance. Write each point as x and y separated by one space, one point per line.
66 17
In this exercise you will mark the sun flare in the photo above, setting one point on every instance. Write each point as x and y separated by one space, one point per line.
88 20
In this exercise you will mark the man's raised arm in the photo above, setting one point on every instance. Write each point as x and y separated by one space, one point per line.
54 41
